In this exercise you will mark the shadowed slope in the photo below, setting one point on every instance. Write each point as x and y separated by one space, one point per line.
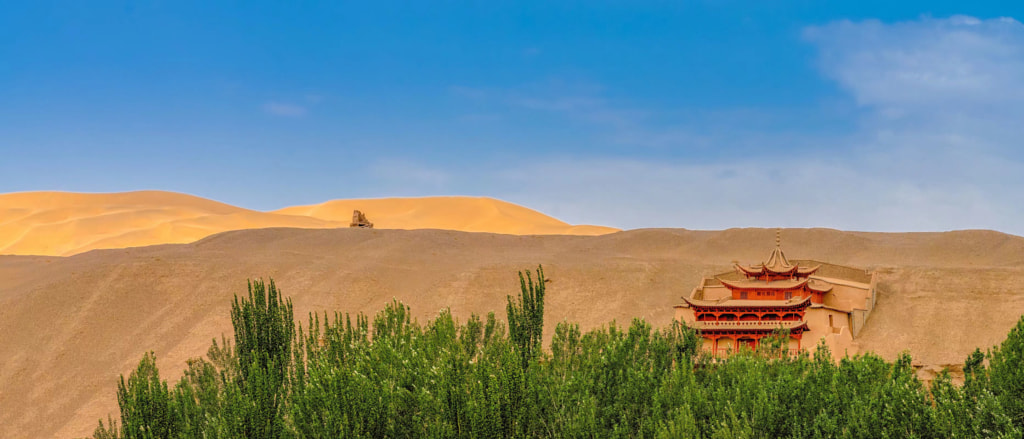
71 325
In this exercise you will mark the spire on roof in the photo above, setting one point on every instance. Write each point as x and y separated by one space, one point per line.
777 263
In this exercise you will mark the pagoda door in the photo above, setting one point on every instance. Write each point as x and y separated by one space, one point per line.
747 342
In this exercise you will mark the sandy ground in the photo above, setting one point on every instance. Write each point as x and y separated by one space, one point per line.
63 223
72 324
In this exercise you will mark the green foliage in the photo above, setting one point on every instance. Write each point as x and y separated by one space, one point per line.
146 408
264 331
1006 372
389 376
526 316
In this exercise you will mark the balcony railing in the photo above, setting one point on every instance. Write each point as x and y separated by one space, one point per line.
725 352
746 322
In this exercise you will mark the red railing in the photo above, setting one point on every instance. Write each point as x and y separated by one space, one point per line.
725 352
772 323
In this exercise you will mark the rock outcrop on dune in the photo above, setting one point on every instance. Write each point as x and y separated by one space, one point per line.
359 220
65 223
449 213
71 325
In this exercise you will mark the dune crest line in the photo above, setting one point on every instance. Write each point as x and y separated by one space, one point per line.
68 223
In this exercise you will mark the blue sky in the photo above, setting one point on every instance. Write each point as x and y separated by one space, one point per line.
892 116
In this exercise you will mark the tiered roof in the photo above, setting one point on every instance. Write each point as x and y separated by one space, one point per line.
796 303
777 264
782 284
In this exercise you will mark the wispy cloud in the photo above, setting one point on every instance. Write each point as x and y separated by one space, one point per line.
920 64
936 144
744 193
405 177
579 101
284 109
945 96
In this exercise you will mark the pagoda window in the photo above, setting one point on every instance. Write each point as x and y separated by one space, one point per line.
791 317
770 317
727 317
706 317
749 318
743 295
789 295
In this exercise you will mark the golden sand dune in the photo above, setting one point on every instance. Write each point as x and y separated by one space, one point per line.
62 224
466 214
71 325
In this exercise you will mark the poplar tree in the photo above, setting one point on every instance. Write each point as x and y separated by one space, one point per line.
264 329
526 316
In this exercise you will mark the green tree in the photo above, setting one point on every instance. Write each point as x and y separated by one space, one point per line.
147 411
264 330
1006 372
526 316
390 377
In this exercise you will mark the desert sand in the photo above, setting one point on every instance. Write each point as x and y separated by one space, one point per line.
63 223
72 324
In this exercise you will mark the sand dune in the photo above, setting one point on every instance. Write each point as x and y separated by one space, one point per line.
467 214
72 324
62 224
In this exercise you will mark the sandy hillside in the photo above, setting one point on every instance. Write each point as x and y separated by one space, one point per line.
63 223
450 213
72 324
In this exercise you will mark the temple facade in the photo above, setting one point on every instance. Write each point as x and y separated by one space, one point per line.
813 301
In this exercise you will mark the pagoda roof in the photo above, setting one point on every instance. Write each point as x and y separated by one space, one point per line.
777 264
760 326
794 303
780 284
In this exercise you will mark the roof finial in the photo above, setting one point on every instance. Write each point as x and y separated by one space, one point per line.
778 237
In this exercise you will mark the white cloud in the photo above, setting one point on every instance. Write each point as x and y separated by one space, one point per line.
804 193
937 145
284 109
913 65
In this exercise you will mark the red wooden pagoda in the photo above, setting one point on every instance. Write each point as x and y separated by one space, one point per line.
774 294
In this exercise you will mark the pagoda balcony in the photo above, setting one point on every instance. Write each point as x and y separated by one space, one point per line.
785 324
726 352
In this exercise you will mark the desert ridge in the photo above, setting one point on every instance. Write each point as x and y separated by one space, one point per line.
465 214
72 325
67 223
